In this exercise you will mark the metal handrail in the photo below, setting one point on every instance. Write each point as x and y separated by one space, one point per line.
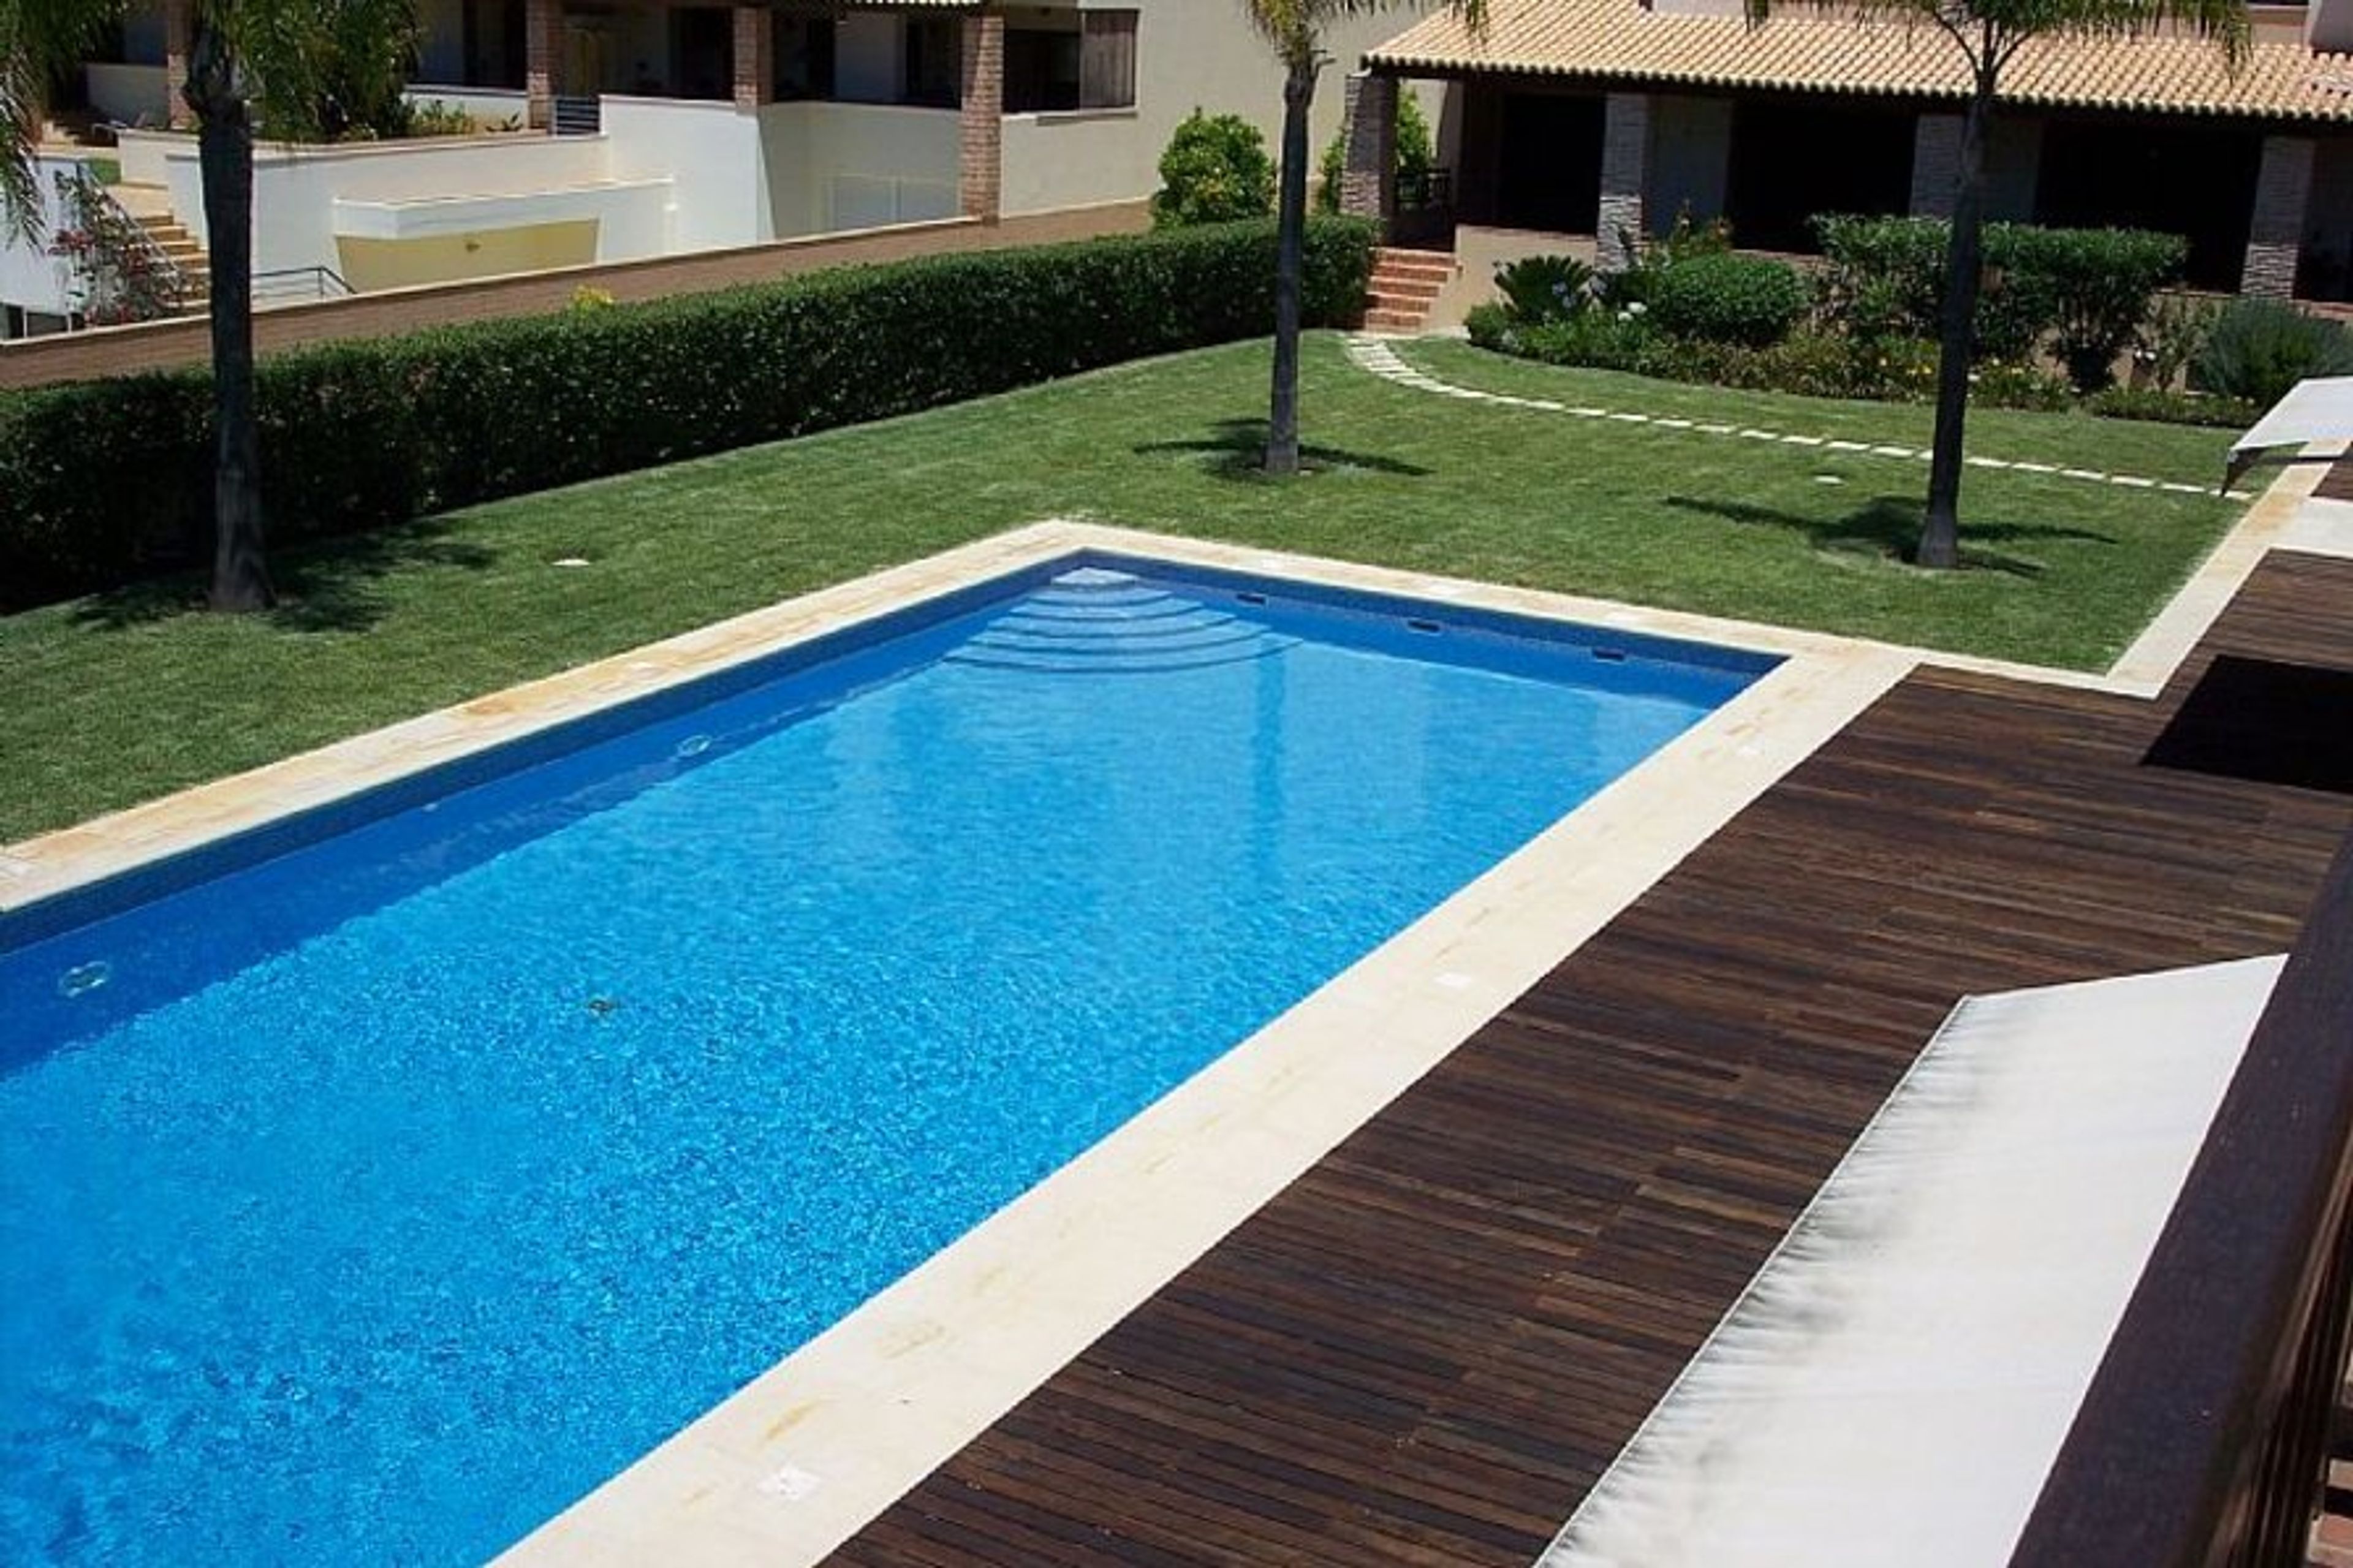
178 286
284 282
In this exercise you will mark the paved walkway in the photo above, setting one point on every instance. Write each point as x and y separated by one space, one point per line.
1379 357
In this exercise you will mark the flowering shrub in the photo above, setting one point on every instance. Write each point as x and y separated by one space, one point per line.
118 275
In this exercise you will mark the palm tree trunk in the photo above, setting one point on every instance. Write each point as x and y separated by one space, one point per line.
1963 261
1291 245
225 154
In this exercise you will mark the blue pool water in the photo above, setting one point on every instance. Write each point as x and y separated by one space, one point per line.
371 1202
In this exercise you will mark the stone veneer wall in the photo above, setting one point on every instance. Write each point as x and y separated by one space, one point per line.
1368 178
2275 235
1625 163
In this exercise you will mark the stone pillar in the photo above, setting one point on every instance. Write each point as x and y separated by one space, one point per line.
1935 165
1618 227
755 56
1369 177
980 139
542 42
2276 233
177 31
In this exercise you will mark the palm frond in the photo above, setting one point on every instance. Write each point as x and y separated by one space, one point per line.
38 40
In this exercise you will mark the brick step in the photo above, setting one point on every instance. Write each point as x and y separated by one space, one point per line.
1416 270
1386 320
1407 288
1418 308
1425 258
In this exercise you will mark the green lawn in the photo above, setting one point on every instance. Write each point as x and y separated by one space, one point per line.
119 699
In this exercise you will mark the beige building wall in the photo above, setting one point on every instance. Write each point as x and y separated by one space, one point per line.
1188 54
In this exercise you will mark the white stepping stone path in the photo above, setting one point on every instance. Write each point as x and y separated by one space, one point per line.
1381 358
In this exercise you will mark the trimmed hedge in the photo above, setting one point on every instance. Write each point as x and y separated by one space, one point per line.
2082 292
1815 364
104 481
1751 300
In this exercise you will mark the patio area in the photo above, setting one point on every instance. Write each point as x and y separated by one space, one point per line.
1429 1349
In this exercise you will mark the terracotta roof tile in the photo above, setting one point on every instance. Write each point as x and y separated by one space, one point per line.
1624 41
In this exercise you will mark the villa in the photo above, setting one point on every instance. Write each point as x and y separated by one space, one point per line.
1574 124
640 130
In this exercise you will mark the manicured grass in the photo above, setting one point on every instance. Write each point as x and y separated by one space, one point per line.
119 699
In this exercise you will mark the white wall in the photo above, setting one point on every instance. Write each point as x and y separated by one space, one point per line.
30 277
490 105
128 94
295 188
141 153
846 165
1188 54
711 154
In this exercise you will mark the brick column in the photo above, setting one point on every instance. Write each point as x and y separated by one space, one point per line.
177 28
2276 233
542 42
1369 177
981 143
1625 168
1935 165
755 56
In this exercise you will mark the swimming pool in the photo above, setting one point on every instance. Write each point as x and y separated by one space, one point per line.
372 1195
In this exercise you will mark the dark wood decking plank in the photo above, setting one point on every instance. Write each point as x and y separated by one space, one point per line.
1428 1348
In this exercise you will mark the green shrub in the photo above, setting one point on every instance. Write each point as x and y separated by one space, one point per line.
2259 349
2163 405
1812 363
2080 293
1215 170
1415 155
1540 288
1489 325
1683 241
1729 298
2098 285
102 481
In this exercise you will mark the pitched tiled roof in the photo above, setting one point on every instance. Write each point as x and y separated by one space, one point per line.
1625 41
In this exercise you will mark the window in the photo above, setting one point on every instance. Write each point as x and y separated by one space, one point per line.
1041 66
1107 59
804 57
934 61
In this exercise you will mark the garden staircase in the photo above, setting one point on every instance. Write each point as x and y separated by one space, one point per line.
1405 285
179 248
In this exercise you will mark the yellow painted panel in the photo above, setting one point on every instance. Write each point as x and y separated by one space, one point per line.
369 265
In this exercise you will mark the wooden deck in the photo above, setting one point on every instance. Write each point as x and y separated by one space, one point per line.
1428 1348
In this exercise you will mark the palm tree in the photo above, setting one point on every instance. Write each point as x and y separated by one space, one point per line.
1296 30
279 52
1988 33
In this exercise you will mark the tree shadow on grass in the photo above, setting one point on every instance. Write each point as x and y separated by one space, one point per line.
1888 528
332 586
1238 451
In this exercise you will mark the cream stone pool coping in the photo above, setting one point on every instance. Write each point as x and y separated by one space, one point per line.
806 1454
